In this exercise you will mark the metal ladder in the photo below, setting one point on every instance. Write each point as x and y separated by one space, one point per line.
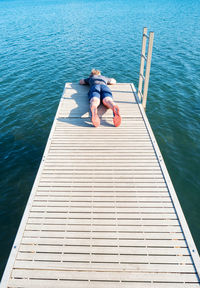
143 95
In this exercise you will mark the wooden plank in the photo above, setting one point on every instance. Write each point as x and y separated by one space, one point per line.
74 135
166 223
88 204
104 242
70 155
40 232
114 189
102 145
103 250
101 184
84 215
163 268
130 173
67 122
115 199
99 179
162 195
85 284
102 258
99 209
121 162
114 170
63 225
80 140
99 276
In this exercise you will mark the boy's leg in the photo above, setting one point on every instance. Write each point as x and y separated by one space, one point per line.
109 103
94 103
94 97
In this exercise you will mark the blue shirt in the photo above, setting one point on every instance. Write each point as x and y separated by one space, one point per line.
97 79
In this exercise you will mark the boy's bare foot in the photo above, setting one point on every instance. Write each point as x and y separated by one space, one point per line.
117 117
95 117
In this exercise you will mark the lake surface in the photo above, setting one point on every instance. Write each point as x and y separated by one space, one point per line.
45 43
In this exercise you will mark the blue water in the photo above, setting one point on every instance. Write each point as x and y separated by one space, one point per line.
45 43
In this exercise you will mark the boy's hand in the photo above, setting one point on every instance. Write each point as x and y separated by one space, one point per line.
112 81
82 82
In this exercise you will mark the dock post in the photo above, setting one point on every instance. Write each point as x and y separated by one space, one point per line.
141 77
148 65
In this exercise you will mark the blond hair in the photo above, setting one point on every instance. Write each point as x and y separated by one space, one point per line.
95 72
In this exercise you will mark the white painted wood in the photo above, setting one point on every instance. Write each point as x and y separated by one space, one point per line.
103 250
114 276
133 267
61 226
85 215
84 203
103 258
101 242
138 224
104 179
53 189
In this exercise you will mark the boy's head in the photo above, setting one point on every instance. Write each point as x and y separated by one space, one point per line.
95 72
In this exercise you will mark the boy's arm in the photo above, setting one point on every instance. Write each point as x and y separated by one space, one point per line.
84 81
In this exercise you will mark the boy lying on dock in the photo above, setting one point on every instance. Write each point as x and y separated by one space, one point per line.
99 91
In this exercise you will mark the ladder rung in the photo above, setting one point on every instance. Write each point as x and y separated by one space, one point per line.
144 57
142 76
145 35
140 94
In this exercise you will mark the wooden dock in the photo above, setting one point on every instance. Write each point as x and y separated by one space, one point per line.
103 212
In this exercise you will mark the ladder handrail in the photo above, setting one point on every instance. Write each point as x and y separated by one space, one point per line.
142 62
143 96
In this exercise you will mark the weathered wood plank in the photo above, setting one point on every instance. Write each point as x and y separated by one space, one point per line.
146 223
85 284
104 242
99 276
162 268
103 258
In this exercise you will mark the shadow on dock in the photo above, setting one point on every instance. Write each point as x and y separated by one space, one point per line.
81 115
